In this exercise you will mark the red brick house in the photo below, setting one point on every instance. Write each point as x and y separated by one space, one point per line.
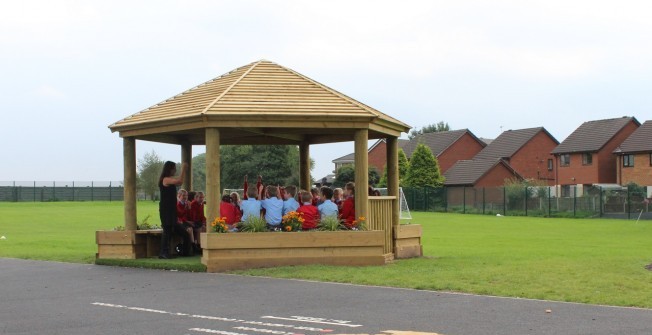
587 157
634 157
448 146
527 151
465 179
378 154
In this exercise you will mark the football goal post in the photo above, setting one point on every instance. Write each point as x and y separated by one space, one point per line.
404 210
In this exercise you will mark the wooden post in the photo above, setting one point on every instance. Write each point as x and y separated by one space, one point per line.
186 157
129 152
361 172
213 195
393 178
304 166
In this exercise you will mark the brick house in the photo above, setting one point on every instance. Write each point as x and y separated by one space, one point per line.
467 177
447 146
634 157
527 151
587 157
378 154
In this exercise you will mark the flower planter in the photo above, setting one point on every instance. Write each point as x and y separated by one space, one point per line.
120 244
407 241
235 251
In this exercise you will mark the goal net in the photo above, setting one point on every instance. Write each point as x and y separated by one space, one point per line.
404 210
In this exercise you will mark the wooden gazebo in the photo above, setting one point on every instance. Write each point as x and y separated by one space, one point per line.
260 103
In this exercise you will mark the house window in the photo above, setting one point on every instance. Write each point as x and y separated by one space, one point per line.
587 158
550 163
565 190
628 160
564 160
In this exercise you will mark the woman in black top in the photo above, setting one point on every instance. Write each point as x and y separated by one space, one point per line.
167 184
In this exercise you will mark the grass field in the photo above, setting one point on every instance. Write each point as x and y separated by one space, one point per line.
580 260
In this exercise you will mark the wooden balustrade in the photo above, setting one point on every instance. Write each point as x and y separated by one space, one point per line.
380 218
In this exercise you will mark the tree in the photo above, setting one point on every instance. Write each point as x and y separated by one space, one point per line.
149 171
346 174
199 172
403 165
431 128
424 169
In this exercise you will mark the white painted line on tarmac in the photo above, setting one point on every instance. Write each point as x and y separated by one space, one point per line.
310 320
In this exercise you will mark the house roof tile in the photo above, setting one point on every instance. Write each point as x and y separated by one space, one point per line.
639 141
509 142
591 136
468 172
437 142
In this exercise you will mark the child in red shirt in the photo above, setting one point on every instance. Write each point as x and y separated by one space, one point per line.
197 215
229 211
184 216
347 213
310 212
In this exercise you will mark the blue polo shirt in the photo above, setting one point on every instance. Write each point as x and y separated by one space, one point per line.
290 205
327 208
250 206
273 210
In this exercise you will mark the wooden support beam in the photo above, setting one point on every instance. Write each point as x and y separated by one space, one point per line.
212 174
393 178
129 152
304 166
186 157
271 133
361 173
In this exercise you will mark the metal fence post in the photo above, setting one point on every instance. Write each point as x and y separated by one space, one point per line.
110 192
14 193
525 200
600 192
463 199
483 200
574 201
445 199
549 206
34 190
504 200
54 187
73 191
92 197
628 205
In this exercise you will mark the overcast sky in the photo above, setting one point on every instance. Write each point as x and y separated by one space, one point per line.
68 69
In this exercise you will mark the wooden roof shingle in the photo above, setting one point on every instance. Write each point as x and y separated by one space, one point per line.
591 136
639 141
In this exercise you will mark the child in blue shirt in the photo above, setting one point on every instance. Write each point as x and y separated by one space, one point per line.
273 206
290 203
251 206
327 208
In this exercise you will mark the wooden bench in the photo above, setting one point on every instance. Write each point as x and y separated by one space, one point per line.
153 241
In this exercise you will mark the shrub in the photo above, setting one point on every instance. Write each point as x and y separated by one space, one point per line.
253 224
330 223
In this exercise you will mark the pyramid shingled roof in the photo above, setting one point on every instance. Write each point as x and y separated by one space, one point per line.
264 93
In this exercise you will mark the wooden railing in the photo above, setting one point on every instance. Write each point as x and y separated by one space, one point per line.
380 218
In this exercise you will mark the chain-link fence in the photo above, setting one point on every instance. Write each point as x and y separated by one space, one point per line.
571 201
36 191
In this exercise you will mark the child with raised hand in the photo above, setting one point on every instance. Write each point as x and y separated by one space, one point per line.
327 208
289 202
273 206
259 185
250 206
347 214
310 212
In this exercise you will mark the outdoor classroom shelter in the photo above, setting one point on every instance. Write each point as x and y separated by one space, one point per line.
265 103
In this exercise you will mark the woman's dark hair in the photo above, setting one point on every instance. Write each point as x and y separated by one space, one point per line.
226 198
168 167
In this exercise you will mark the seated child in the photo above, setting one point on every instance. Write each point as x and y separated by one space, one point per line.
273 206
183 215
250 206
310 212
327 208
197 214
347 214
338 195
289 203
229 211
316 200
235 200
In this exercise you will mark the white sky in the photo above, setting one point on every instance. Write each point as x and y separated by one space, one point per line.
68 69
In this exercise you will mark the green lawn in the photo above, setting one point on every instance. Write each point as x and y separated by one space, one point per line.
580 260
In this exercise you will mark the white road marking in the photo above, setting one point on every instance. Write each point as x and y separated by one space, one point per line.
311 321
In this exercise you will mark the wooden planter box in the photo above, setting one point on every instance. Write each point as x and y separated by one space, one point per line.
120 244
407 241
235 251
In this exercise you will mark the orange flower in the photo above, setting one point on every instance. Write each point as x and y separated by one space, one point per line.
288 228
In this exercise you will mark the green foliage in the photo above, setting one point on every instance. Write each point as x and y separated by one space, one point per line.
187 264
330 223
431 128
278 164
199 172
403 166
346 174
424 169
149 171
253 224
